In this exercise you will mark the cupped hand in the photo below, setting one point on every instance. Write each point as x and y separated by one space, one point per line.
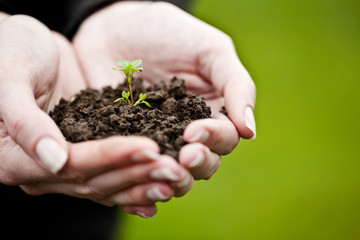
173 43
38 67
123 171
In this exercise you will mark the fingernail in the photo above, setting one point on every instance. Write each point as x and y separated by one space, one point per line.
51 154
184 182
164 173
201 136
154 194
145 155
250 121
143 215
200 158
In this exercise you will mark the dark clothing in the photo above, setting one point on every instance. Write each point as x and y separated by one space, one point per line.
63 16
54 216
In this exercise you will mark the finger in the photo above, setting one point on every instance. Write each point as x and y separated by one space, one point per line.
33 129
108 183
142 194
222 66
100 187
24 89
184 185
219 135
201 162
121 193
148 211
88 159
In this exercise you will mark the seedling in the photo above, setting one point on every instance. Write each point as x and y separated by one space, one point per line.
129 68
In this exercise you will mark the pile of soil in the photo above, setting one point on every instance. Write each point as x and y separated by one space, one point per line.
92 114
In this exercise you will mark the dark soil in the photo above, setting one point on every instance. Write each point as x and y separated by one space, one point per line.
91 114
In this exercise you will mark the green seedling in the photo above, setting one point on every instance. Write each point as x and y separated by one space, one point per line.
129 68
141 99
125 97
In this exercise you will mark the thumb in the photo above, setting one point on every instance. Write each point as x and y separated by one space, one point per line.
32 129
234 82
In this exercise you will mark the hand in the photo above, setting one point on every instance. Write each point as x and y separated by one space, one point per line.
39 68
123 171
29 69
173 43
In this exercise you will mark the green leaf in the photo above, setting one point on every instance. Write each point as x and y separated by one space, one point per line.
142 97
125 94
136 63
117 100
123 63
146 103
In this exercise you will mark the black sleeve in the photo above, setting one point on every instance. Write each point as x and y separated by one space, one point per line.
63 16
81 9
51 13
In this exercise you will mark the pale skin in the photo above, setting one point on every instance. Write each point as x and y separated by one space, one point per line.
120 170
123 171
181 46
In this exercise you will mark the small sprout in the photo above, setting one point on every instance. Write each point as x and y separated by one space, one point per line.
141 99
129 68
125 97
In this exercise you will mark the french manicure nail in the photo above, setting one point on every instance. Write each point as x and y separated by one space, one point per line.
154 194
51 154
143 215
164 173
250 121
185 182
200 158
201 136
145 155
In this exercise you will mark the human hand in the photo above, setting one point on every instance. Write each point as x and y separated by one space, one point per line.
173 43
29 68
124 171
38 69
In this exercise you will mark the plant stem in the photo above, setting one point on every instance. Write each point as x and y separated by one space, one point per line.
130 90
131 95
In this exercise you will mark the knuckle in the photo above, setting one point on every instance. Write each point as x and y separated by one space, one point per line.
225 138
71 175
226 39
32 190
15 125
87 191
252 85
223 42
166 162
211 165
122 198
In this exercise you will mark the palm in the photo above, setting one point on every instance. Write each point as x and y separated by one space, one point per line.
165 52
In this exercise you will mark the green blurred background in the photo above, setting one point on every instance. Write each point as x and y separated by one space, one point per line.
300 179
